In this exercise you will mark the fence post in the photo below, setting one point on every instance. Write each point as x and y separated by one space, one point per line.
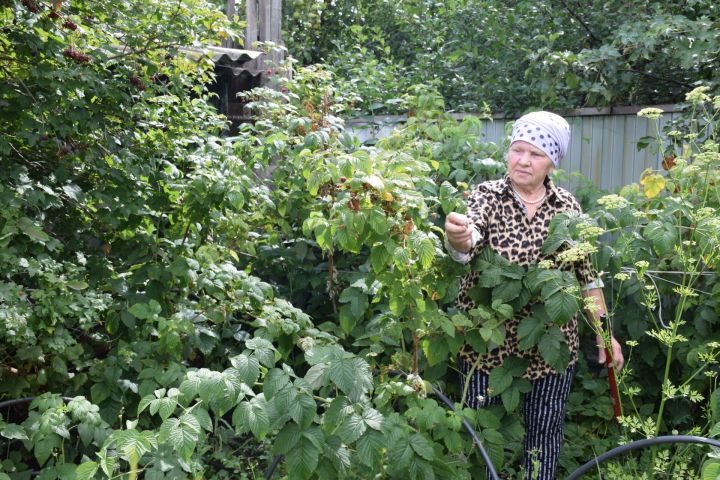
251 16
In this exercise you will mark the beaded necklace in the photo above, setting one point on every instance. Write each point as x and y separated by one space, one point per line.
531 202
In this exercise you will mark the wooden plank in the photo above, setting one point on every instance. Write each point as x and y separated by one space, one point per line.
251 16
575 149
628 174
597 142
616 125
275 20
265 14
641 130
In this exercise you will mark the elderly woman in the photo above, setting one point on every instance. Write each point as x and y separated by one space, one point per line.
512 216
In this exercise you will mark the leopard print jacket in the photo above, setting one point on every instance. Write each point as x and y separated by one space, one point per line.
501 218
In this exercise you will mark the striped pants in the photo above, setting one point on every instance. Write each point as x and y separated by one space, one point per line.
543 413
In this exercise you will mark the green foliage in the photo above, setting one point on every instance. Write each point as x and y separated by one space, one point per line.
203 303
564 55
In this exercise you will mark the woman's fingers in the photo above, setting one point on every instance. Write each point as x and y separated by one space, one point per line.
616 349
458 231
457 223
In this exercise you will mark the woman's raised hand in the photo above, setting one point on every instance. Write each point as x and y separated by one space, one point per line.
458 231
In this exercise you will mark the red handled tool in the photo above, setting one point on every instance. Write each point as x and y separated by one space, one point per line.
614 393
613 383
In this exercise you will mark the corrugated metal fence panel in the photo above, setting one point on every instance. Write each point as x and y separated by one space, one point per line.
603 148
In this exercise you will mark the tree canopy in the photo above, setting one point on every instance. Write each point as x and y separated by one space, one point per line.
513 55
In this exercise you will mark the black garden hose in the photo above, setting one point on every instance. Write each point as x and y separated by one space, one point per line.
648 442
466 424
273 466
18 401
483 453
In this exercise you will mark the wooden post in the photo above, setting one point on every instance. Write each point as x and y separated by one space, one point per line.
270 28
265 20
228 43
276 21
263 24
251 32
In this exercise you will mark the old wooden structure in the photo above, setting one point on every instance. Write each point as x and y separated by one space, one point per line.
242 67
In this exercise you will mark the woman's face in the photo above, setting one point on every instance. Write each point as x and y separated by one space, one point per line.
528 165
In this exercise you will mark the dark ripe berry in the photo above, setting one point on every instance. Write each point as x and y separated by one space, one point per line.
408 227
354 204
70 25
668 162
31 5
138 83
269 72
53 15
75 55
343 179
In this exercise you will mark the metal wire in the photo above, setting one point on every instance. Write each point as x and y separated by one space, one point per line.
651 275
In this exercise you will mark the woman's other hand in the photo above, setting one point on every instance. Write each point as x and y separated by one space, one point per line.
458 231
616 353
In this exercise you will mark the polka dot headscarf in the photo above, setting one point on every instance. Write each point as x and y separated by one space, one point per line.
547 131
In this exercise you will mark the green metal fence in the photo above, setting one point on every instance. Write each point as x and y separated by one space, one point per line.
603 147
